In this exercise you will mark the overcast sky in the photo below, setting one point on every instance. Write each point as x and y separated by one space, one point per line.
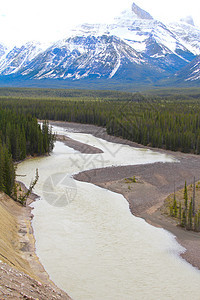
47 20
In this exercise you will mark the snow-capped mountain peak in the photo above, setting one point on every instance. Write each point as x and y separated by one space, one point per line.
135 47
141 13
128 16
189 20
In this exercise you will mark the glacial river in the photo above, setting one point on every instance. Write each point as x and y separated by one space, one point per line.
87 239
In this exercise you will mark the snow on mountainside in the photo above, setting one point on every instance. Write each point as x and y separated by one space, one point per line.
189 20
158 44
3 50
188 35
84 56
136 27
135 47
191 73
12 61
154 40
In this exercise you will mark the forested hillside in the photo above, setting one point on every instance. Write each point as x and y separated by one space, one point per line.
20 135
171 122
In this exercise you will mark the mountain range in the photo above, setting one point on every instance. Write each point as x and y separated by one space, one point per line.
136 48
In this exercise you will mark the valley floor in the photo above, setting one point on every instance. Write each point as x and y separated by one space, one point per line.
154 182
21 274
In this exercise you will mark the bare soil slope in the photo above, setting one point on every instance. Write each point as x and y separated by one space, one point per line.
21 274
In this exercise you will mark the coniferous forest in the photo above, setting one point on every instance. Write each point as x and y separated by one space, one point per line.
20 136
167 120
184 206
171 122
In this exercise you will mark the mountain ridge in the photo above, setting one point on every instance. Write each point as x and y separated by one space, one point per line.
136 47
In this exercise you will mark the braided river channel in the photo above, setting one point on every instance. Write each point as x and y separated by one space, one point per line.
86 237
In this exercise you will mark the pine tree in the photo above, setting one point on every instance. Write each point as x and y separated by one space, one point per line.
22 144
8 172
189 223
22 199
193 199
186 198
175 209
180 211
171 211
183 220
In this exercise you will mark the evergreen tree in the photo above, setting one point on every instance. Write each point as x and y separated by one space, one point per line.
8 172
183 220
175 208
22 199
185 197
193 199
189 223
180 211
20 135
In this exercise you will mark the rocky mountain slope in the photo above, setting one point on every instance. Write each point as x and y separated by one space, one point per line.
11 61
191 72
136 47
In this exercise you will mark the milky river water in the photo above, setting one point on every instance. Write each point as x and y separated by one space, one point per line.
87 239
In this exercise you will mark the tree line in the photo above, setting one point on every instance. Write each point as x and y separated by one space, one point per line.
172 124
186 210
20 136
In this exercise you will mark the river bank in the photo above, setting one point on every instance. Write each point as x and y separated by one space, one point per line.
21 274
154 183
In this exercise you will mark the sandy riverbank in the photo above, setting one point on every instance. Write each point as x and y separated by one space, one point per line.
83 148
154 183
21 274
